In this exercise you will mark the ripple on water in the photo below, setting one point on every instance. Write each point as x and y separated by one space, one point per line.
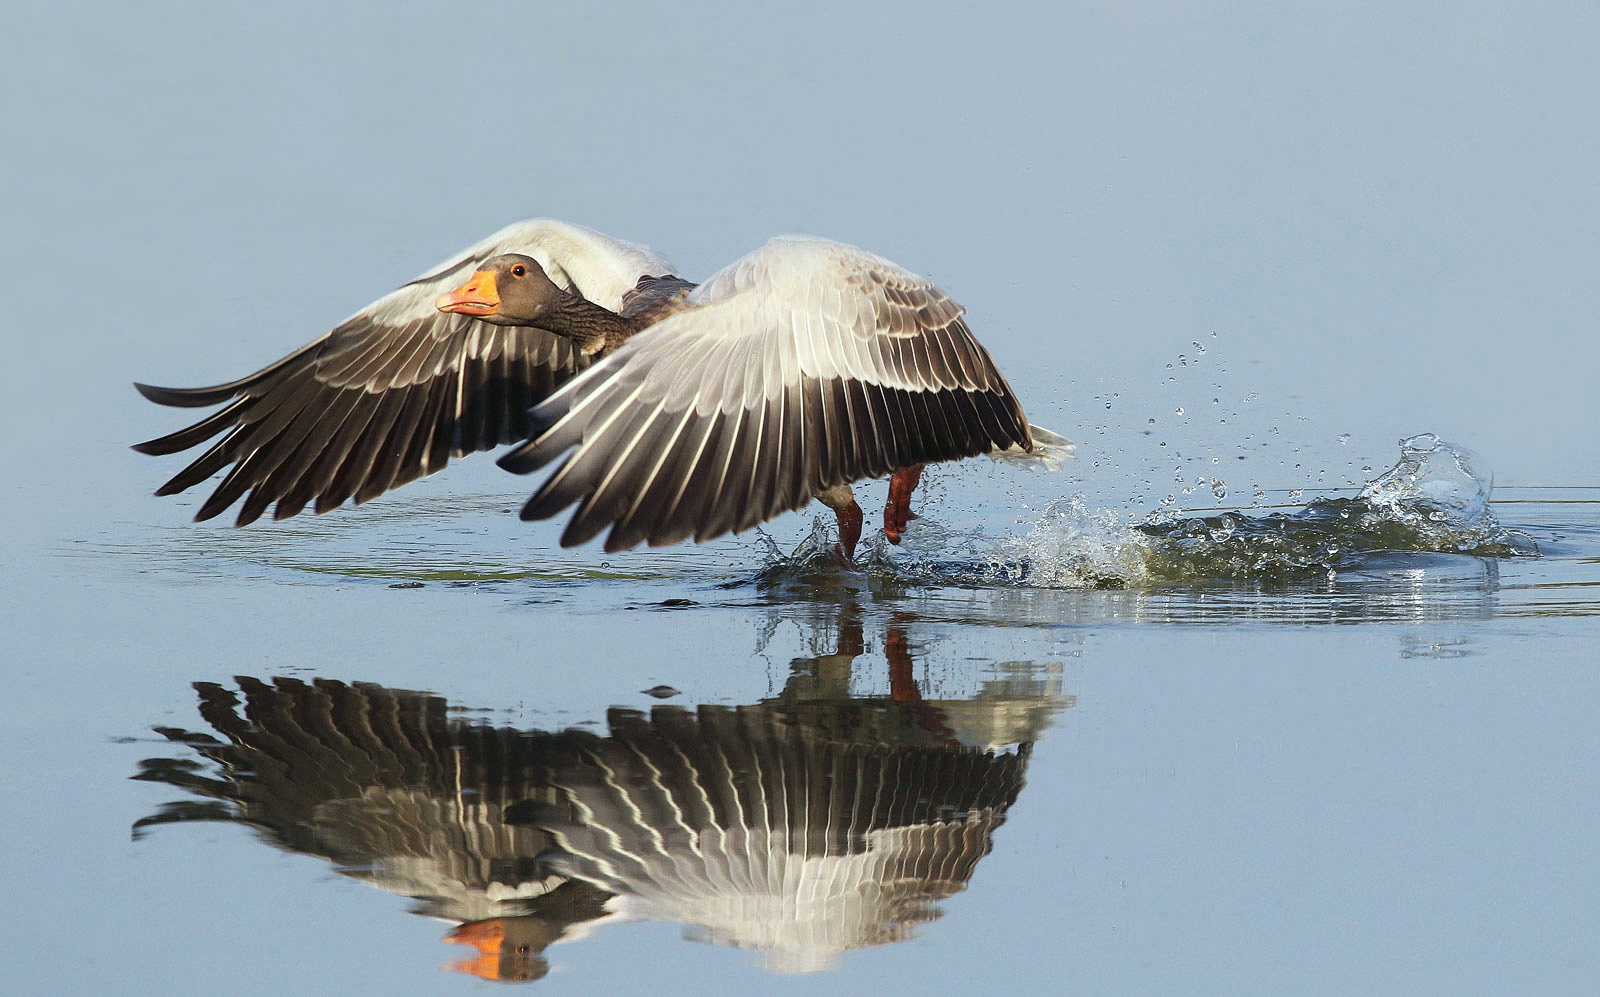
1419 539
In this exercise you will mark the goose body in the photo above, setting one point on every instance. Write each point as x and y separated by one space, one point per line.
683 411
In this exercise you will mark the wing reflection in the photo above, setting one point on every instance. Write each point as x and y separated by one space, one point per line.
808 824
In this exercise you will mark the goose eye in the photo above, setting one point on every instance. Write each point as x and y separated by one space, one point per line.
519 271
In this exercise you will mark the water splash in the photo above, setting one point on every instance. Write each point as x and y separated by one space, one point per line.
1435 499
1074 546
1435 480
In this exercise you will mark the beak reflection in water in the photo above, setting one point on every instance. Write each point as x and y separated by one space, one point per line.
803 826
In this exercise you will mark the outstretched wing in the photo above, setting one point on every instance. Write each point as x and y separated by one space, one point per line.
396 390
805 365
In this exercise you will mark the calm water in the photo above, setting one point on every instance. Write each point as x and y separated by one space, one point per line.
1382 779
1253 745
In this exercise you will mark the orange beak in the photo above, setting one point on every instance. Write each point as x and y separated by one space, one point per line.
485 936
478 296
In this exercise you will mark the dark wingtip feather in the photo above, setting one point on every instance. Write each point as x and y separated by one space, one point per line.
580 531
249 514
617 541
530 456
522 458
220 421
226 494
548 502
155 394
536 453
533 510
190 397
542 417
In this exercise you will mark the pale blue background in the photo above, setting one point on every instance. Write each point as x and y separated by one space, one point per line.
1386 213
1378 219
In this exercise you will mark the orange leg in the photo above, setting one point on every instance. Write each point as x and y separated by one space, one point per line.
842 500
849 529
903 686
902 679
897 513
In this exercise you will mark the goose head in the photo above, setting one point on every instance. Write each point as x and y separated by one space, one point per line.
510 289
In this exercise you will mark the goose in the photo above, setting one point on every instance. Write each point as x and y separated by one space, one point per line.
684 411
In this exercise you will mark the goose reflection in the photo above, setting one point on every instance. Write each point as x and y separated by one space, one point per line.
395 791
808 824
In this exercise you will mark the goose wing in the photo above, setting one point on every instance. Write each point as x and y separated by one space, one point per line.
391 785
805 365
397 389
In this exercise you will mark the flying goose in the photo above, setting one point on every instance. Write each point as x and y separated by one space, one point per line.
689 411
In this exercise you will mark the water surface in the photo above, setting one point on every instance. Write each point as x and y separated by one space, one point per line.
1252 745
1223 782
